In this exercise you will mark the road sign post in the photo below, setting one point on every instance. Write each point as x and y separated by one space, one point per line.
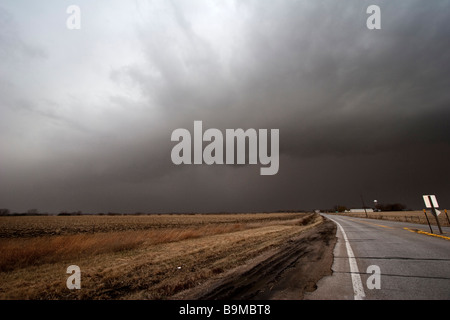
425 212
431 202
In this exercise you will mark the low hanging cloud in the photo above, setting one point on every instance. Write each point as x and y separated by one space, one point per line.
87 114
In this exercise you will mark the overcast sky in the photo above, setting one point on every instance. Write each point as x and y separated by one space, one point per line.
86 115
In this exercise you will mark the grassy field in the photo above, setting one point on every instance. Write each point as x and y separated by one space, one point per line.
404 216
133 257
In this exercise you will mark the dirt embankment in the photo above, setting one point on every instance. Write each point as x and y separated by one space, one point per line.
283 273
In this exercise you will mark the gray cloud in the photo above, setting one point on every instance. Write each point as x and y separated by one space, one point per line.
359 111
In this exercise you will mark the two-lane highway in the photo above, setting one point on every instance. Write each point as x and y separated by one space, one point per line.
411 265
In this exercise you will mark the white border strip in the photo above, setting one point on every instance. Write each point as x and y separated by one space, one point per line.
358 289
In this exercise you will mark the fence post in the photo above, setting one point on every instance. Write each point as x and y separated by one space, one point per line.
445 210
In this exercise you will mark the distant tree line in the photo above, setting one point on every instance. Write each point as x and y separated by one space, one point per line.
390 207
65 213
378 207
30 212
339 208
336 208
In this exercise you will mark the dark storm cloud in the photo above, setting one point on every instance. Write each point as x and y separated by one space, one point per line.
357 109
313 69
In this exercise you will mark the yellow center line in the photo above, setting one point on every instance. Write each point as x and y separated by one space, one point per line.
428 234
374 224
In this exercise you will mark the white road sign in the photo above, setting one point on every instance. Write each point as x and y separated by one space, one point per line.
426 199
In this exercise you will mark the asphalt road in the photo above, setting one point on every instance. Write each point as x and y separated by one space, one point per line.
411 265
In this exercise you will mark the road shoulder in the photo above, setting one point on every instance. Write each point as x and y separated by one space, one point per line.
285 273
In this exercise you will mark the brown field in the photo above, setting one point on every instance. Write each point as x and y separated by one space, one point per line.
403 216
134 257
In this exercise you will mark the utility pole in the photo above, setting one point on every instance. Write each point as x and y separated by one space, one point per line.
364 206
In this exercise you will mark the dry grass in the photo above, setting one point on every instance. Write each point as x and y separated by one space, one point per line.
138 263
19 253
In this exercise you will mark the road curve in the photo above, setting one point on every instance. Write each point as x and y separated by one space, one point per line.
413 266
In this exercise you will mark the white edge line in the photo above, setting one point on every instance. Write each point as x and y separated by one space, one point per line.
358 289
